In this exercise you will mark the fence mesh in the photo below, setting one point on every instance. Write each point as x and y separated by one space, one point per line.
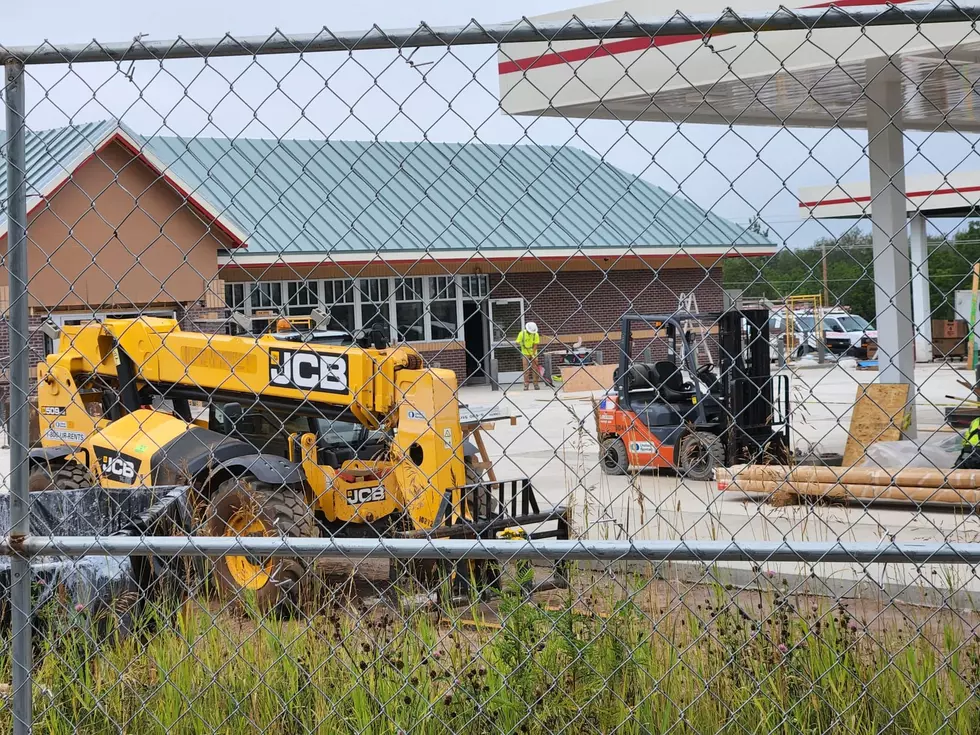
563 376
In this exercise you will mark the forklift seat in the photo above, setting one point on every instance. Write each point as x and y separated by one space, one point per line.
642 377
671 382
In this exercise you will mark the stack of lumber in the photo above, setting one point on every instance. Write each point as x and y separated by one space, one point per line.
786 485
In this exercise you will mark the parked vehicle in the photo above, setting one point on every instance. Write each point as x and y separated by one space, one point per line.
844 334
848 334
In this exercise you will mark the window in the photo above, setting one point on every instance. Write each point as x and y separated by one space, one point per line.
235 296
267 295
302 297
334 433
338 295
475 287
375 313
804 323
442 307
831 325
260 427
409 310
854 323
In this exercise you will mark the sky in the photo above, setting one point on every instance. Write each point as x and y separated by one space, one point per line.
739 173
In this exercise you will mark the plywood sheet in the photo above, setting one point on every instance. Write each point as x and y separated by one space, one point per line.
880 414
576 379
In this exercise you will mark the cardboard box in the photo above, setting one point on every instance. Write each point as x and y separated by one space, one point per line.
949 328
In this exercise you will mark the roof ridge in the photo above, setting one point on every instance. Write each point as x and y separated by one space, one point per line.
356 141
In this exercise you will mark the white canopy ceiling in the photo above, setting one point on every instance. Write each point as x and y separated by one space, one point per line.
797 78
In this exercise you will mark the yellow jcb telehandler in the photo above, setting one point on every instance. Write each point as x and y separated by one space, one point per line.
299 438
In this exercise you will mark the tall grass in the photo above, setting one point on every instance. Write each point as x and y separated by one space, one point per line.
621 666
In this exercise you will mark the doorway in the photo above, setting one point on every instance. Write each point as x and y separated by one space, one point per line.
506 322
476 342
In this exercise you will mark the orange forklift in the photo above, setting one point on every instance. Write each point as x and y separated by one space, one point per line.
675 414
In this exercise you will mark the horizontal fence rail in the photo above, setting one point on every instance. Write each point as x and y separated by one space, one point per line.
650 551
474 33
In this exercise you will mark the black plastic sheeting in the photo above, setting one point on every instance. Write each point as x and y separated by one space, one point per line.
94 590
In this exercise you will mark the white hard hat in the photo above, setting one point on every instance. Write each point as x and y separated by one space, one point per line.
531 327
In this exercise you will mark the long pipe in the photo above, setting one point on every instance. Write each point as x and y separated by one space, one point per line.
911 477
587 550
473 33
851 491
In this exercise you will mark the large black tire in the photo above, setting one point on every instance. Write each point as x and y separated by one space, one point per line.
699 453
613 458
65 476
246 507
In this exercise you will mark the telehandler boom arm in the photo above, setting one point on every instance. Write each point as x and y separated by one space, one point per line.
333 379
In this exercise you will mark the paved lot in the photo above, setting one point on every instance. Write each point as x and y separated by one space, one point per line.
555 445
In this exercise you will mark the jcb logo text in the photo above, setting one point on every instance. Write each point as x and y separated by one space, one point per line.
116 466
306 370
356 496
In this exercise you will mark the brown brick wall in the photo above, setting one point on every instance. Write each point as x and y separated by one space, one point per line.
451 357
35 347
587 303
195 317
563 303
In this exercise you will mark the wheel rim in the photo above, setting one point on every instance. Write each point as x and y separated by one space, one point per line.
611 457
696 457
247 572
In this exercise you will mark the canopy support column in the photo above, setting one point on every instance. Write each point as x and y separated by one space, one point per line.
893 292
921 307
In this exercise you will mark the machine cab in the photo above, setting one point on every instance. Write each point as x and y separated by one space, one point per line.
659 376
271 432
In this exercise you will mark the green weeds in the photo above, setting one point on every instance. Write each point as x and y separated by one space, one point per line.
733 664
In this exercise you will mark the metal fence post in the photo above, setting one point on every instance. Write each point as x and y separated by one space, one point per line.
17 323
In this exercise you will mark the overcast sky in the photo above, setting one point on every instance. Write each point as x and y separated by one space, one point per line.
736 173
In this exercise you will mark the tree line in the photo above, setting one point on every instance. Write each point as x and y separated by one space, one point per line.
850 271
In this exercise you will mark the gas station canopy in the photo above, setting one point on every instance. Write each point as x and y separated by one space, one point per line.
814 78
935 195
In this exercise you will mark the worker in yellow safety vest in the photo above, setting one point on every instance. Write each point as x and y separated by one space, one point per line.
528 341
969 458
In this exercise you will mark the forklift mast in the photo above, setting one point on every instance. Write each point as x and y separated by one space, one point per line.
752 393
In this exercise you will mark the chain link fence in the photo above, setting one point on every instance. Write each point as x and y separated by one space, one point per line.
568 375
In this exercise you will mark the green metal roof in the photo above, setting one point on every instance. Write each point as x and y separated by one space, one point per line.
314 196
